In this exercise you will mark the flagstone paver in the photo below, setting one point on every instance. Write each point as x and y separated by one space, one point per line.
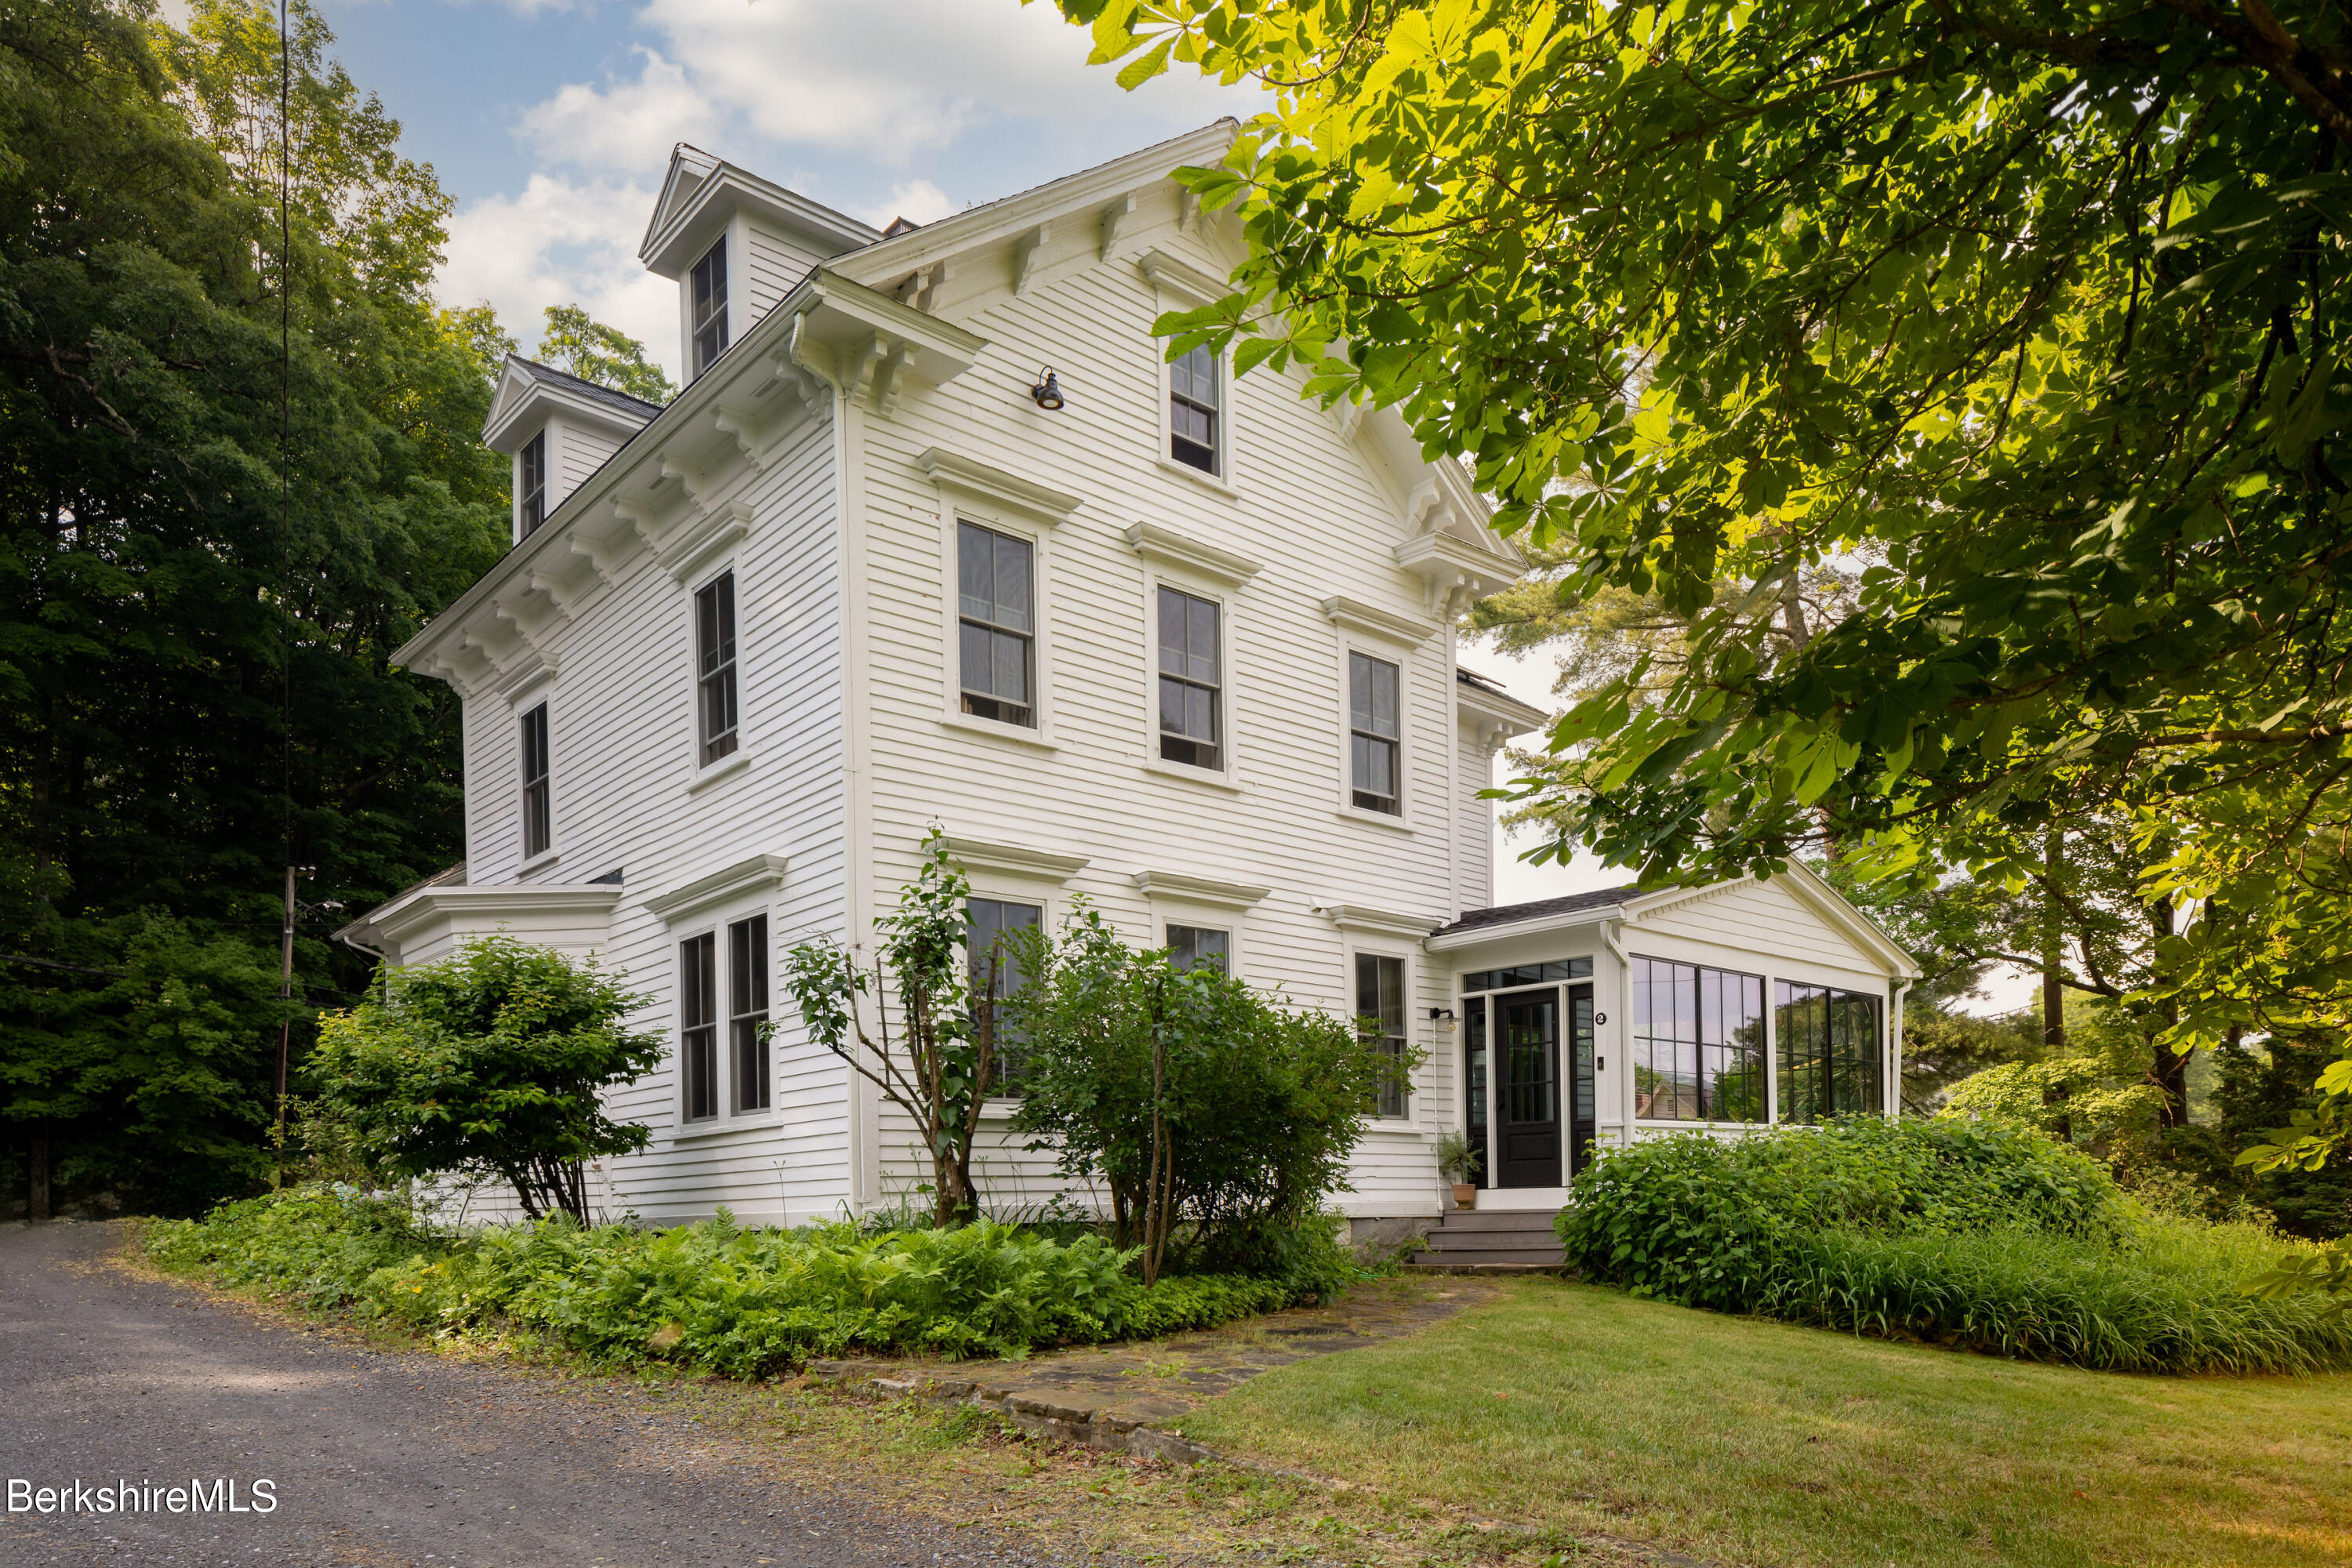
1134 1397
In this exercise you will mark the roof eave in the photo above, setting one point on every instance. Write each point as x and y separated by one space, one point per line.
1535 925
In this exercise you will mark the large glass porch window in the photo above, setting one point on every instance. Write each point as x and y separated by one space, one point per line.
1829 1052
1698 1043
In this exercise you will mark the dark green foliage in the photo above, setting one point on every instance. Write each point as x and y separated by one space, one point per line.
493 1061
712 1296
2254 1091
1246 1111
191 675
1967 1233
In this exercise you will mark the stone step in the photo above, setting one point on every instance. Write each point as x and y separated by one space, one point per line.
1473 1220
1431 1263
1513 1249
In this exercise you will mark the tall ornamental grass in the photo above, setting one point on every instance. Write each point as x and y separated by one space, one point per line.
713 1297
1957 1233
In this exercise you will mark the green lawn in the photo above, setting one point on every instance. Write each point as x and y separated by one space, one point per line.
1758 1442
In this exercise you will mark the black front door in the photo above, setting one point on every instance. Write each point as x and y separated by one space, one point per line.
1527 1129
1474 1074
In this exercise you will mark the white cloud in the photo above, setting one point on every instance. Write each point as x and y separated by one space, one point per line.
624 125
846 76
562 242
916 201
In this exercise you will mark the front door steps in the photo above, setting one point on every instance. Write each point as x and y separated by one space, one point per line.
1492 1241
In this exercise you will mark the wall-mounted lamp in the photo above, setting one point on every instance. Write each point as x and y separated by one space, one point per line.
1047 392
1445 1013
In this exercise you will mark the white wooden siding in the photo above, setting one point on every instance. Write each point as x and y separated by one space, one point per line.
581 452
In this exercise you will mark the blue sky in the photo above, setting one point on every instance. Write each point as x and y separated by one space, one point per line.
550 121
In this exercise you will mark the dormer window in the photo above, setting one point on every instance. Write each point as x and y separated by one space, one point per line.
1193 411
531 484
708 293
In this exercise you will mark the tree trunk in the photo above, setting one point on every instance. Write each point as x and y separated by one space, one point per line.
37 1161
2168 1069
2053 967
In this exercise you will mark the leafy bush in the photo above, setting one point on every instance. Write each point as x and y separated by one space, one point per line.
713 1295
1220 1121
1705 1221
1963 1232
491 1061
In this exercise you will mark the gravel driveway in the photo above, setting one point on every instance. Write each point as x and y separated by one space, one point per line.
374 1458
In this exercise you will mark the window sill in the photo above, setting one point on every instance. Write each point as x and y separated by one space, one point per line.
1191 474
703 1131
1373 819
1018 734
1647 1124
1167 769
719 772
538 862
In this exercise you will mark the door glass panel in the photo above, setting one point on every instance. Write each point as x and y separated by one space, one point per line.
1580 1095
1474 1076
1532 1070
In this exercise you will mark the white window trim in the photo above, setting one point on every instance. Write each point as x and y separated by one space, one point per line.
711 919
1176 286
954 508
735 234
549 460
1227 597
702 775
1418 1085
1345 804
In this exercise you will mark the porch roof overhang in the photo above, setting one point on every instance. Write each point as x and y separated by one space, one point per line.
1476 928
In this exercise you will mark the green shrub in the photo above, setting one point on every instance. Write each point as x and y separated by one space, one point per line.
714 1296
2169 1298
1962 1233
1705 1221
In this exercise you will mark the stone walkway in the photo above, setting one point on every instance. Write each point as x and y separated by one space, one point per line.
1133 1397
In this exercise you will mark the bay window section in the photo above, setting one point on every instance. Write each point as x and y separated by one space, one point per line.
1830 1052
996 625
1698 1043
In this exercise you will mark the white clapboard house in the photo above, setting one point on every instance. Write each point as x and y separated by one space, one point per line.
935 534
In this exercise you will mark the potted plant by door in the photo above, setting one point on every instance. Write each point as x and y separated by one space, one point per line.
1458 1162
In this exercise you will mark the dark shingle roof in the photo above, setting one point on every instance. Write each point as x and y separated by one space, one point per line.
591 390
1540 908
1469 676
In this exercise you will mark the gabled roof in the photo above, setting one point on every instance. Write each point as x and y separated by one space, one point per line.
527 387
697 181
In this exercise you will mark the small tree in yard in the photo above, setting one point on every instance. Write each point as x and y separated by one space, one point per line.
490 1062
939 1065
1201 1105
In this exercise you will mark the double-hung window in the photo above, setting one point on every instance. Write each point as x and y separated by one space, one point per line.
708 292
1198 947
697 1027
532 484
1192 434
1380 1012
995 970
747 994
996 625
1191 682
1698 1043
538 818
1372 734
714 658
1828 1051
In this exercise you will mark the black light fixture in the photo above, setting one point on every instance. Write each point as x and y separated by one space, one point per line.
1047 392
